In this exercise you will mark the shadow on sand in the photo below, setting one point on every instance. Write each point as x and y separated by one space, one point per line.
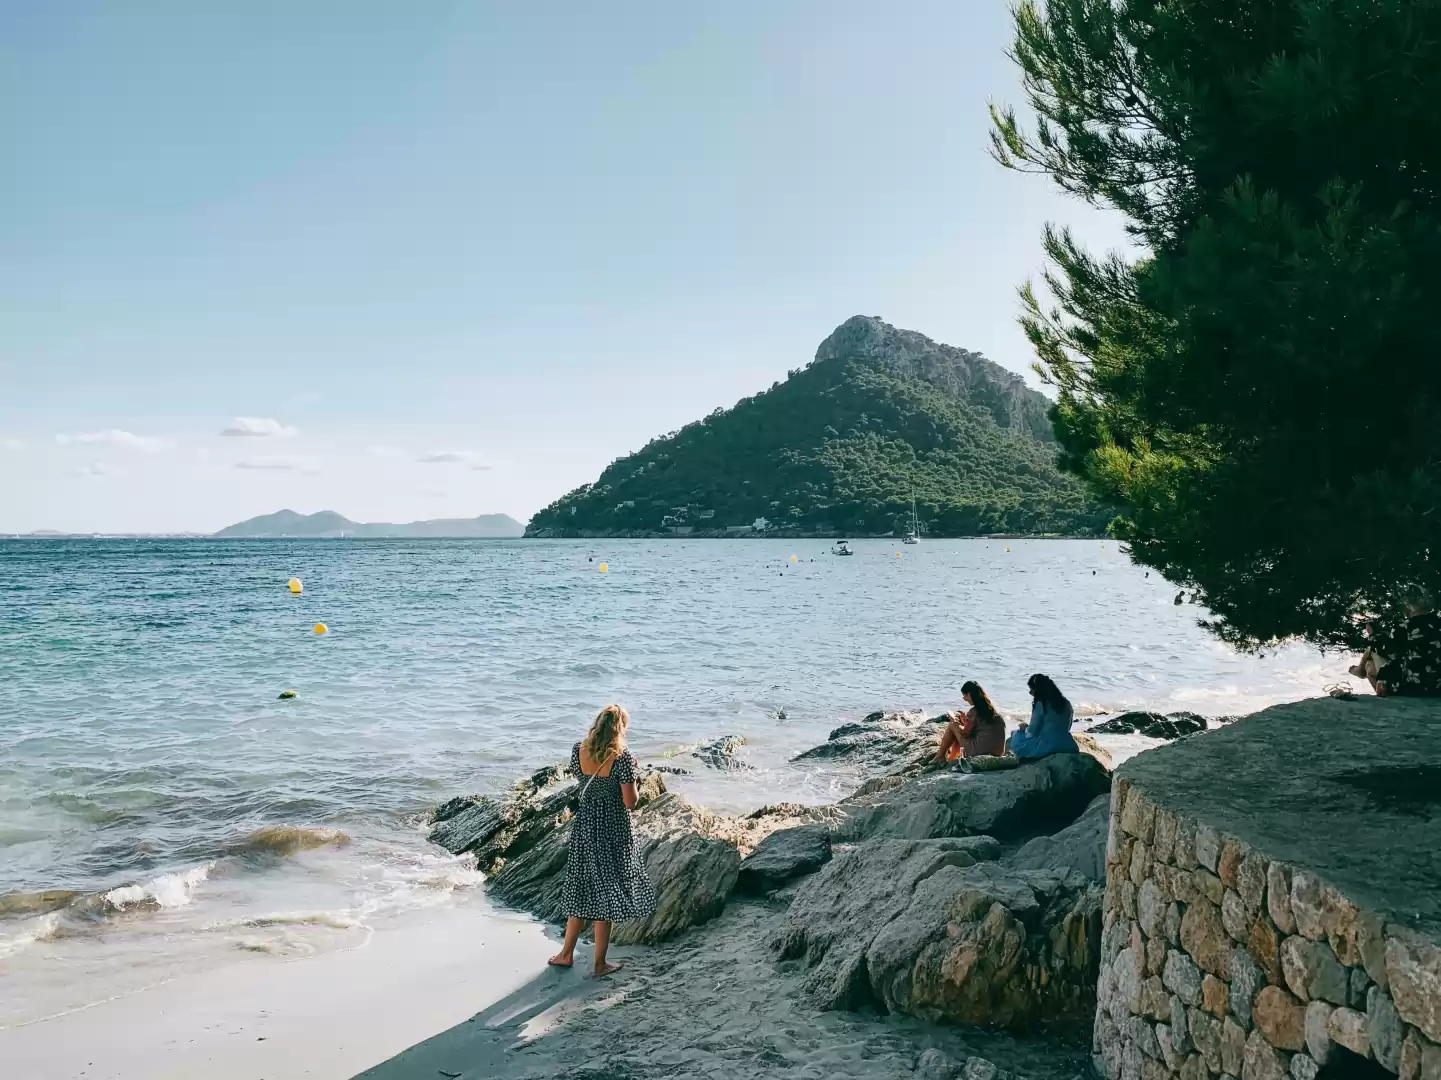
504 1039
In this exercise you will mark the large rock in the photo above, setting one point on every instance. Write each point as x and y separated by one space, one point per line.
1035 798
836 914
988 945
1080 846
693 877
499 829
924 927
783 855
882 743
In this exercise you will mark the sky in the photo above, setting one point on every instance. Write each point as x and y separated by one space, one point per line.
410 261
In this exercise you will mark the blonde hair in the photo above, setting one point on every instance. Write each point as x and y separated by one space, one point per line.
606 737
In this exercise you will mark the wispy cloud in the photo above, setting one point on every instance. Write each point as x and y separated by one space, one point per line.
113 437
454 457
12 444
280 464
98 468
257 427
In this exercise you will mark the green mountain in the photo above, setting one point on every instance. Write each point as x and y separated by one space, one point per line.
841 447
327 523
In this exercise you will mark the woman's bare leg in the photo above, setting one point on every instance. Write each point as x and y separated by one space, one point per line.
949 738
573 927
602 943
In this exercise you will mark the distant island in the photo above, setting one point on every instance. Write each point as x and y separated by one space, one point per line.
881 416
329 524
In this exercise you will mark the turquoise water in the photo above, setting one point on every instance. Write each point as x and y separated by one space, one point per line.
143 744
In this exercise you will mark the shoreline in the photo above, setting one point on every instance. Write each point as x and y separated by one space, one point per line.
469 981
329 1015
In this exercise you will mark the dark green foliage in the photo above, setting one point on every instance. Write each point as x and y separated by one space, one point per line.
1260 388
838 448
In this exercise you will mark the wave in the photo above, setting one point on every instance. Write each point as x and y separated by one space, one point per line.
291 839
165 891
31 931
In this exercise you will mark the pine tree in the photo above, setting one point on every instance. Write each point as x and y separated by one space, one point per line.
1259 388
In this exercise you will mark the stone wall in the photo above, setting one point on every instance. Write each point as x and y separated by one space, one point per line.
1222 959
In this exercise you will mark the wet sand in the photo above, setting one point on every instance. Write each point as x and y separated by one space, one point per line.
328 1016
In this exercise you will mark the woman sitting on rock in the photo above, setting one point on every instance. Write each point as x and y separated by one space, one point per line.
1049 729
604 880
977 732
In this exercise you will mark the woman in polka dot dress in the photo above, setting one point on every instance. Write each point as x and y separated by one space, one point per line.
604 879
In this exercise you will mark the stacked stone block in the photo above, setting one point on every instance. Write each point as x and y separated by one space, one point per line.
1219 961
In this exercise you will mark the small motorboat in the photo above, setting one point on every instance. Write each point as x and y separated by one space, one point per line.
842 548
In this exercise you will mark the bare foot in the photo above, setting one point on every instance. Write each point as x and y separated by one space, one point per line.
561 960
608 969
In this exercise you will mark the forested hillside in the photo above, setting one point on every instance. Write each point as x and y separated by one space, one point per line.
841 447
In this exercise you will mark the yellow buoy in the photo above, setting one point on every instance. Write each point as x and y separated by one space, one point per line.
321 628
605 568
898 554
794 559
1008 549
296 587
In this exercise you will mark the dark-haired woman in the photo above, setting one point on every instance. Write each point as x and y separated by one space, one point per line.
1049 729
977 732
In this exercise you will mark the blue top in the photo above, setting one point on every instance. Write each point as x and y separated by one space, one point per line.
1049 732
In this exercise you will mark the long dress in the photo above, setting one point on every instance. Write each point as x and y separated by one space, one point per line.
604 878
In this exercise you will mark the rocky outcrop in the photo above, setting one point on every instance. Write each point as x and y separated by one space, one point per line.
497 830
721 753
936 929
836 914
1034 798
991 946
896 895
1154 725
958 372
783 856
693 876
883 743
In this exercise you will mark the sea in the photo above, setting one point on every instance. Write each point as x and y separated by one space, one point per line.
164 810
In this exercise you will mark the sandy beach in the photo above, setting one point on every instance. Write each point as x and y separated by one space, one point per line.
712 1004
327 1016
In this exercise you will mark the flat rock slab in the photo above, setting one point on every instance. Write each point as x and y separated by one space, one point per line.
1350 790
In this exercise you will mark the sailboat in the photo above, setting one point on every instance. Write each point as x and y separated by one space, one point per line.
914 535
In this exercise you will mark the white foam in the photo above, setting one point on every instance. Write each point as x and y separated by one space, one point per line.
336 920
166 891
41 928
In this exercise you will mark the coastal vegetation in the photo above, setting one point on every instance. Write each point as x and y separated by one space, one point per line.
842 446
1258 389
